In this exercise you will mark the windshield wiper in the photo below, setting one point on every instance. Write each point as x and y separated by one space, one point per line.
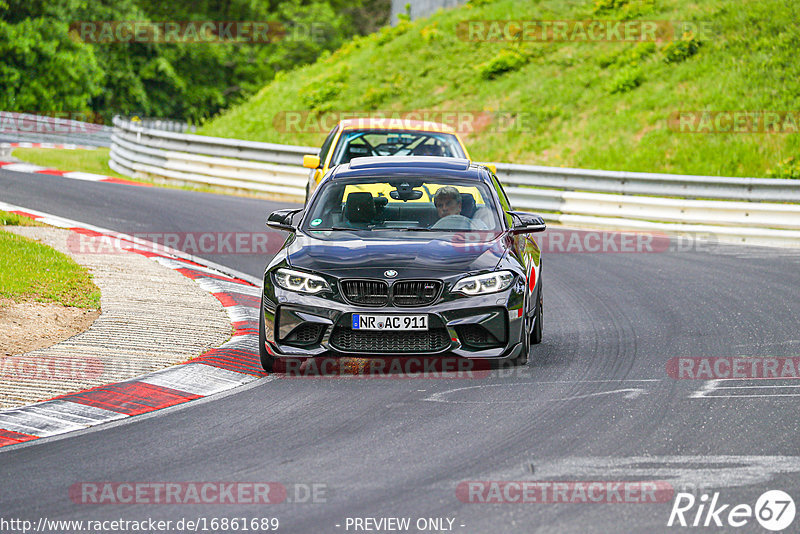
405 228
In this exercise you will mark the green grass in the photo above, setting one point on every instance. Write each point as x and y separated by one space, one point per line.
32 271
594 105
12 219
92 161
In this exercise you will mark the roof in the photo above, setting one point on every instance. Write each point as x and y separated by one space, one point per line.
394 123
409 165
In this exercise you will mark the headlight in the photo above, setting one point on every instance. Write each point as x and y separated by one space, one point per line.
298 281
483 284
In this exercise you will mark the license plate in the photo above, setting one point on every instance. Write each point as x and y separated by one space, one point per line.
389 322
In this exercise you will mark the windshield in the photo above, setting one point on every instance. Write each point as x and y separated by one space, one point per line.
359 144
403 204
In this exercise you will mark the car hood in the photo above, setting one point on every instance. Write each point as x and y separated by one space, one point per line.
371 256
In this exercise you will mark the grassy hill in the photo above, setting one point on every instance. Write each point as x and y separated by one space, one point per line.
599 105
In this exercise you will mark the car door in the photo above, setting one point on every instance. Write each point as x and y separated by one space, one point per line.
524 245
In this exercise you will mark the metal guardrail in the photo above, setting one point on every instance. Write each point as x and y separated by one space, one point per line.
758 211
39 129
750 210
141 152
755 223
167 125
641 183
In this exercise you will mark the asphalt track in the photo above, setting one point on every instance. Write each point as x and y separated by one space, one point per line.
595 403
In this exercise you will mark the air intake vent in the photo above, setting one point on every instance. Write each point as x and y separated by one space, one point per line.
375 341
306 334
366 292
415 292
477 337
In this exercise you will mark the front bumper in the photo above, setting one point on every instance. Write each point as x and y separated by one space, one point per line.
304 326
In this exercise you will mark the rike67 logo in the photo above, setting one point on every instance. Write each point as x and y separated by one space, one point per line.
774 510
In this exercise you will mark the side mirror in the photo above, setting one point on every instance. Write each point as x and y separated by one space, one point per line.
525 222
311 162
282 219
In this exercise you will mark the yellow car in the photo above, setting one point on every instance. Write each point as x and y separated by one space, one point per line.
358 138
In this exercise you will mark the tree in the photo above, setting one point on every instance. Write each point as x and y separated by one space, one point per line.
43 70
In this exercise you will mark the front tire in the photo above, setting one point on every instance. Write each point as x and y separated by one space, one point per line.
536 335
267 359
522 357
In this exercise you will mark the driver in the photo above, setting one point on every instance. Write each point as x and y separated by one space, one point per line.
448 205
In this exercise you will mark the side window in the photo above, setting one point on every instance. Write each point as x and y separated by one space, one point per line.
504 203
326 146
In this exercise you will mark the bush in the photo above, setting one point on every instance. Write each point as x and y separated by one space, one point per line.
431 33
678 51
389 33
604 6
788 168
625 9
375 96
319 93
626 80
631 56
507 60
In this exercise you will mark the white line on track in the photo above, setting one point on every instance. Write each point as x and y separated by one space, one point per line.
630 393
684 473
57 417
716 389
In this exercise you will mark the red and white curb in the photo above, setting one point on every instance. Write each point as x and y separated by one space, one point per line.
74 175
233 364
48 145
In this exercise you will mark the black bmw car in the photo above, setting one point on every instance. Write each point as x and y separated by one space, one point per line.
397 256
